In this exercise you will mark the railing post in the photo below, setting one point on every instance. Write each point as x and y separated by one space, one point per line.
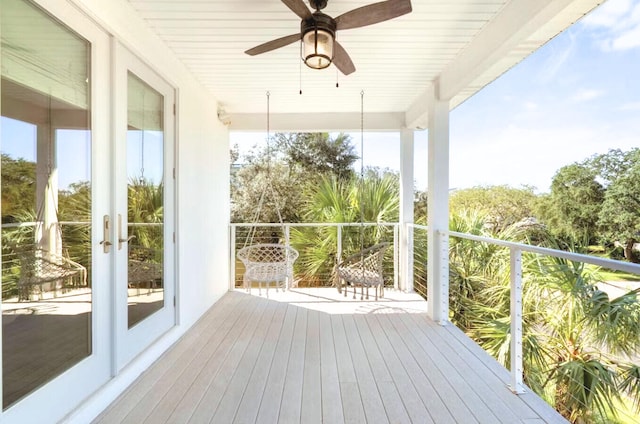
516 321
396 248
287 232
339 247
409 262
232 258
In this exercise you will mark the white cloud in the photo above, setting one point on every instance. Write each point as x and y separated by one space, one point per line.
632 106
628 40
608 14
616 24
556 60
586 95
530 106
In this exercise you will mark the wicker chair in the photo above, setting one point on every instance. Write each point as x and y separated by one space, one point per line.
266 263
45 271
144 269
363 269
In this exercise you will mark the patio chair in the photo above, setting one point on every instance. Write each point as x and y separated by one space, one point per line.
266 263
46 271
143 268
363 269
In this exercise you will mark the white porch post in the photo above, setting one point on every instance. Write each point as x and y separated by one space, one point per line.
406 208
46 232
438 211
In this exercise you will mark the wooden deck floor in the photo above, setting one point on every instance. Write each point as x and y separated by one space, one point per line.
307 356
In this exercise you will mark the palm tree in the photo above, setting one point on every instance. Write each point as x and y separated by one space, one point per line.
577 343
343 200
146 206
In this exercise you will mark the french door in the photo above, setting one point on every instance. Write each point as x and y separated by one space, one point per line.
87 235
143 213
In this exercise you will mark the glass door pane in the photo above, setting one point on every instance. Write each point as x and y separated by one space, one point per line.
46 146
145 199
144 193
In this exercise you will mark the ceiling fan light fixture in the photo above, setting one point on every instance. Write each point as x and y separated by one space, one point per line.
318 40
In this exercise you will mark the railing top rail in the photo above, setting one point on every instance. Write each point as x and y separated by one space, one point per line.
312 224
578 257
418 226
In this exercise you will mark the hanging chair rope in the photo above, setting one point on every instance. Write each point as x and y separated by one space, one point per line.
267 262
268 189
363 268
361 200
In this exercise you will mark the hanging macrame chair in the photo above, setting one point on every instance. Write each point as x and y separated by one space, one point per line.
43 265
267 263
363 269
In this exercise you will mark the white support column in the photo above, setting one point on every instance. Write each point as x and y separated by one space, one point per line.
47 234
406 208
232 258
438 211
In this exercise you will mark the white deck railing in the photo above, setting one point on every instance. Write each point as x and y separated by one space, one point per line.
516 250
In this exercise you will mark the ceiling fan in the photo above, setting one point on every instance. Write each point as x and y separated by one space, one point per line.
318 31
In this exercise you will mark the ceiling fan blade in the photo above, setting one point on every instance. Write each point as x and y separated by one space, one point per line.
373 13
342 60
298 7
273 44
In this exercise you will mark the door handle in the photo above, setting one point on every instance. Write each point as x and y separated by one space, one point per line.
120 239
106 234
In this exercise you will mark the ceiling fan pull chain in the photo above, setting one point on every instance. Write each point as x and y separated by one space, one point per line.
337 76
300 83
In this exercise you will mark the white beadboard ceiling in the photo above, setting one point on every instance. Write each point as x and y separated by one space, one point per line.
456 46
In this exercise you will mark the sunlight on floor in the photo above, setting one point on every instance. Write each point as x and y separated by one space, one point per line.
328 300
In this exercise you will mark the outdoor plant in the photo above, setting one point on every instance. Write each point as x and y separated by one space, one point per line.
578 344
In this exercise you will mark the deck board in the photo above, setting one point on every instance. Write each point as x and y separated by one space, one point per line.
309 356
329 373
436 407
291 403
217 387
413 404
371 400
252 396
435 368
146 384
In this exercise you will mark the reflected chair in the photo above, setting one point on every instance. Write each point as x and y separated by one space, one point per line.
47 271
144 269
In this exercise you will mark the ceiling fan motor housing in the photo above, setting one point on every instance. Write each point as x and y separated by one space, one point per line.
318 4
318 37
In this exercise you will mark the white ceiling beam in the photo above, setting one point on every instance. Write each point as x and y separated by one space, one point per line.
313 122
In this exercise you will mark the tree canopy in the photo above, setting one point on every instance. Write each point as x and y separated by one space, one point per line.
597 200
318 152
296 160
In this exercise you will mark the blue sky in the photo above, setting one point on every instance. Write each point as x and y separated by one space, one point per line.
576 96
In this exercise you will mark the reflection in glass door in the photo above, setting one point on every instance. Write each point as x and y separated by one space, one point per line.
46 146
145 200
144 137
